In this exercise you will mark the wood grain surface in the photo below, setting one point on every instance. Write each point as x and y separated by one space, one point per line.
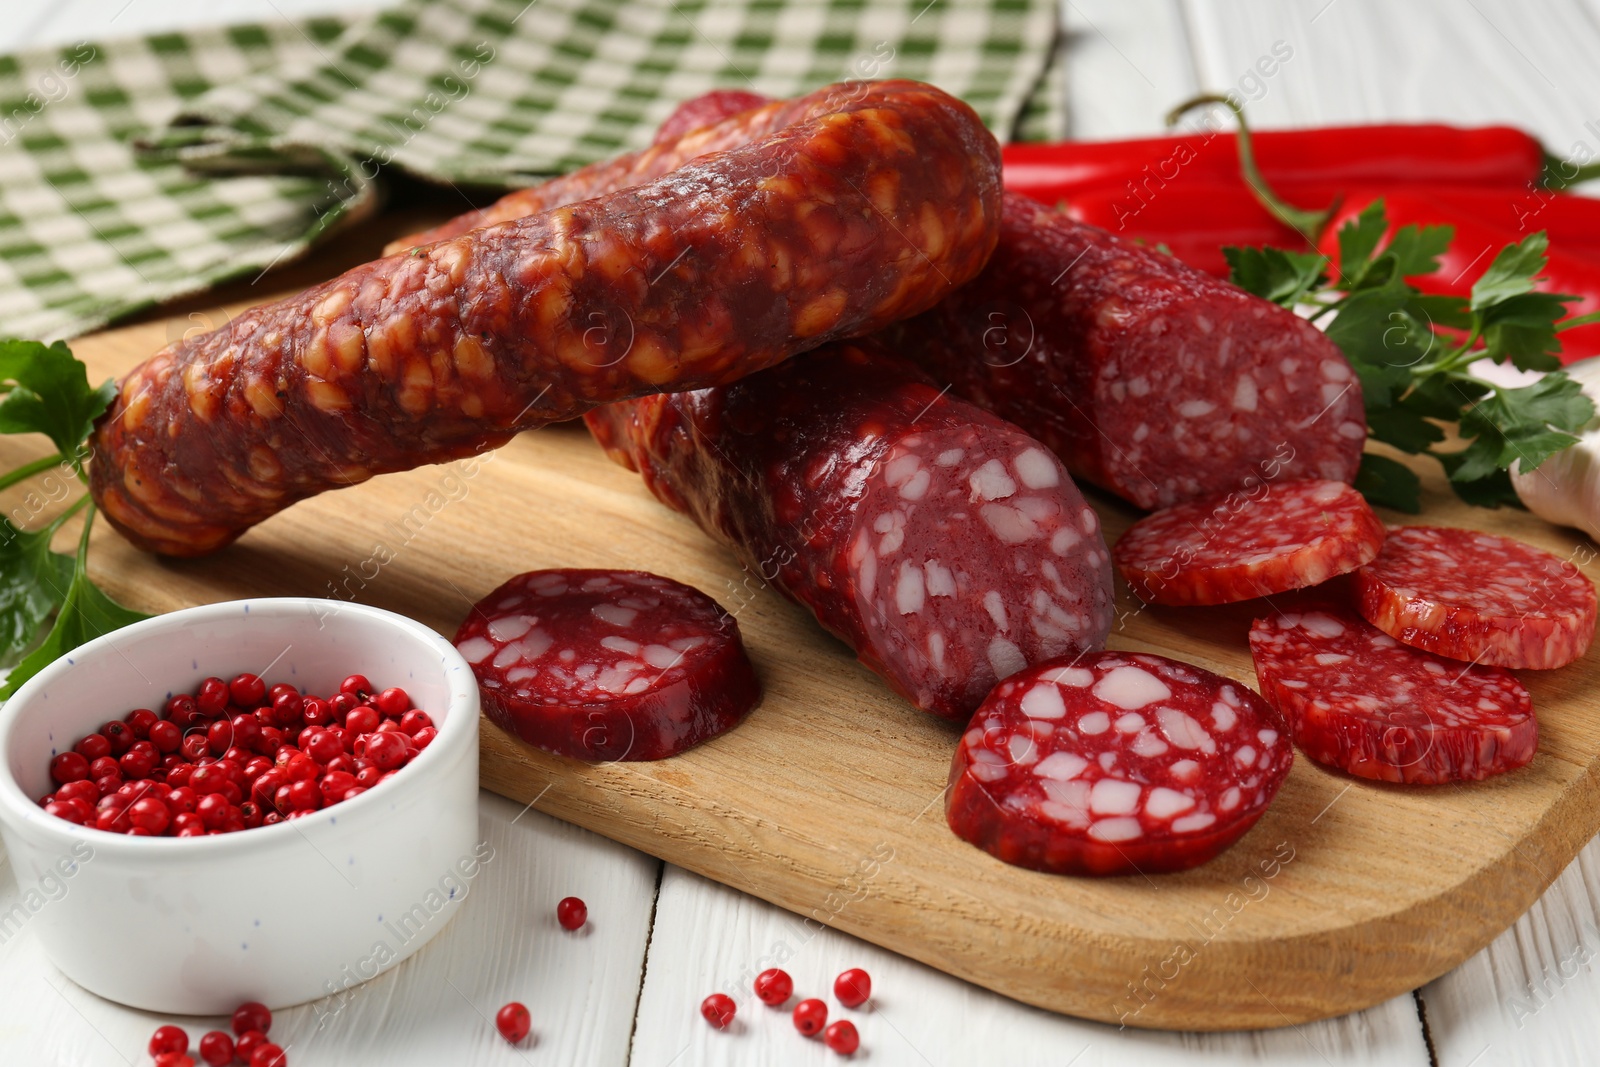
827 800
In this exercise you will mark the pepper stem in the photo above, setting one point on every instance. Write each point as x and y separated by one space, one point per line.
1308 224
1558 174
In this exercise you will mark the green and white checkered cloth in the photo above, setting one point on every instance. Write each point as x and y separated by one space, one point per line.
136 171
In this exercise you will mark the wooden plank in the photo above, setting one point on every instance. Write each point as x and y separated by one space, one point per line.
708 937
1126 65
1386 889
438 1006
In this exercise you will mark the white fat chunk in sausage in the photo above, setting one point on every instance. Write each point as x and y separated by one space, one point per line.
660 657
996 608
1246 756
1190 823
1335 370
1245 394
1022 749
1096 722
1164 803
1222 716
1113 796
991 482
1195 409
1332 391
939 579
1148 745
475 649
1185 770
510 627
1008 524
909 590
1184 731
1061 766
1043 701
1130 688
1064 540
1005 658
614 614
950 457
1120 829
936 650
1322 625
1074 677
621 644
1037 469
917 487
1131 723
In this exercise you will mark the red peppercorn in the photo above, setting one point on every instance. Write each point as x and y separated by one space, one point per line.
369 776
334 785
207 779
842 1037
718 1010
183 712
108 784
248 691
168 1039
165 736
287 710
773 986
116 731
356 685
139 722
571 913
219 736
393 703
324 746
69 767
74 811
268 1055
252 1014
304 795
414 720
281 689
213 809
105 767
271 741
150 814
389 726
351 794
810 1016
386 751
136 764
249 1040
187 824
271 818
174 1059
424 737
93 746
853 987
216 1048
513 1022
362 720
212 697
250 814
195 745
316 712
84 790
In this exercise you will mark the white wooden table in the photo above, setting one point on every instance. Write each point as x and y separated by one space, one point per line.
626 989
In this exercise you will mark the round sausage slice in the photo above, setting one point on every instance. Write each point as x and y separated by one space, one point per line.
1357 699
1478 597
606 665
1115 763
1236 546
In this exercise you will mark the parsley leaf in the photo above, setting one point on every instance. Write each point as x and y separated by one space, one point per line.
1412 352
86 613
47 391
1276 275
1389 483
33 583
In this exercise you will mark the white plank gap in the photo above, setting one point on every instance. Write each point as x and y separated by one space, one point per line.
1127 63
438 1007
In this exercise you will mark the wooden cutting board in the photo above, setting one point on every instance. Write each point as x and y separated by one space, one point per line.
827 801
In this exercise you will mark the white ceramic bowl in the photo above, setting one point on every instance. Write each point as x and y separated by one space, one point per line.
280 914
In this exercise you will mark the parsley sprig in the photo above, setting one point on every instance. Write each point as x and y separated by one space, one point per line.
44 389
1413 351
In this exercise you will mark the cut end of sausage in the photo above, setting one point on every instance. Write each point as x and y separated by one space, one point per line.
1478 597
973 555
1358 700
603 665
1270 538
1115 763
